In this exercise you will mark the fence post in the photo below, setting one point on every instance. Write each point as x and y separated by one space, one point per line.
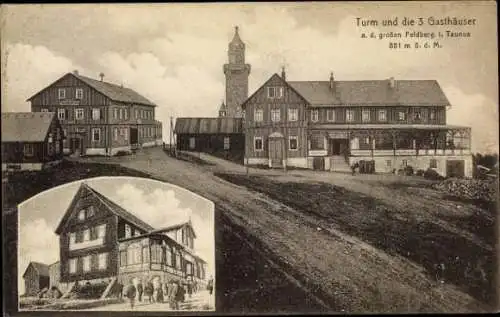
246 165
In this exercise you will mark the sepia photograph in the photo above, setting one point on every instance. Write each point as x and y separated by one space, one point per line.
263 158
116 243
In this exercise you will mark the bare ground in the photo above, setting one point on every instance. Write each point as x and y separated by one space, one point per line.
347 251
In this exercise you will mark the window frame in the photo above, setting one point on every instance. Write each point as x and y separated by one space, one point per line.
63 112
365 115
102 261
61 93
275 115
332 117
401 115
79 93
293 114
296 138
382 117
94 130
259 115
259 138
87 260
349 115
79 111
73 265
96 114
432 163
277 92
192 142
28 149
314 115
227 143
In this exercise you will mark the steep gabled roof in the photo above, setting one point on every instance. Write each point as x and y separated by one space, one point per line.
372 92
112 206
26 126
42 269
112 91
222 125
243 105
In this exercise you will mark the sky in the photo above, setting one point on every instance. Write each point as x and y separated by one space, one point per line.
158 204
173 53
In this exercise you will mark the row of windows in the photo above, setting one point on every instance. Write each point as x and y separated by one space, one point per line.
85 263
61 93
122 131
330 115
293 143
62 113
159 254
131 231
88 234
121 113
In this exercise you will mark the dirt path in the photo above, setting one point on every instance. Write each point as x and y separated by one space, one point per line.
344 272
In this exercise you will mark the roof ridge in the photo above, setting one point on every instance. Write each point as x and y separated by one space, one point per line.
108 201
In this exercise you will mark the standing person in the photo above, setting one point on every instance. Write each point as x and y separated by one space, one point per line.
148 291
189 289
165 291
130 293
140 290
210 285
172 295
119 289
156 289
180 293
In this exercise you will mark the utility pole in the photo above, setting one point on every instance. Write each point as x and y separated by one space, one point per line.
171 134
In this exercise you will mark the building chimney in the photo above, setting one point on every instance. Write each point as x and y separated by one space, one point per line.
391 82
331 81
283 74
75 72
102 76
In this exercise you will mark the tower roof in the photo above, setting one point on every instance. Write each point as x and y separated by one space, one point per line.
223 106
236 41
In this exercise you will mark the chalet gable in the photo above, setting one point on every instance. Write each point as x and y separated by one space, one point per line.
274 80
188 225
84 196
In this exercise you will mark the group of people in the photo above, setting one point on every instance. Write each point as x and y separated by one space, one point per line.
172 292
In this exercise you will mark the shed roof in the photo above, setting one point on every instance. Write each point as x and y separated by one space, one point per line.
221 125
26 126
372 92
42 269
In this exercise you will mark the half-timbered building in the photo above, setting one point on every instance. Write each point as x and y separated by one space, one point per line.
30 141
99 118
101 241
330 125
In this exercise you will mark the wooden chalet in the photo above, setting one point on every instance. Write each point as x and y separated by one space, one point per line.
30 141
98 117
330 125
36 278
101 241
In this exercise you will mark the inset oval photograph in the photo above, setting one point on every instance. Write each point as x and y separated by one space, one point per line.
116 244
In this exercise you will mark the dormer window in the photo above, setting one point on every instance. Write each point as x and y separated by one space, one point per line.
274 92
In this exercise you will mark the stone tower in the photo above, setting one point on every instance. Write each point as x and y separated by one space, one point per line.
236 72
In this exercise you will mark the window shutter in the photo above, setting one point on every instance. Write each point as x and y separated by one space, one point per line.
101 114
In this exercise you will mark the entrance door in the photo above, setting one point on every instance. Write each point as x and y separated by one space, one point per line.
275 152
76 145
338 146
455 168
134 136
318 163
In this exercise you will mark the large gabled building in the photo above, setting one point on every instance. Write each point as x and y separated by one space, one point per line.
99 118
331 124
101 241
